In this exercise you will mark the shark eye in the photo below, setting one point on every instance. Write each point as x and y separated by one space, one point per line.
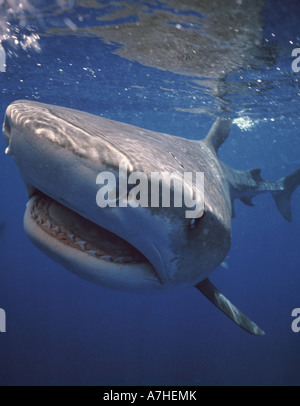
193 223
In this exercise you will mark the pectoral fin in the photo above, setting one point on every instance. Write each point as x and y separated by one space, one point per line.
218 299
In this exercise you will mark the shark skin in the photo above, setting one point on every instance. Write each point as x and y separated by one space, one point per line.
59 153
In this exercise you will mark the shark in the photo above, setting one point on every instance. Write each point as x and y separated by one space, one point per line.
60 151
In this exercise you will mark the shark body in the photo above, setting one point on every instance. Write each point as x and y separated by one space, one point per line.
59 153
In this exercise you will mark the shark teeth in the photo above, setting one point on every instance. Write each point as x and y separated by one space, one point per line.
92 252
106 257
119 259
40 213
81 244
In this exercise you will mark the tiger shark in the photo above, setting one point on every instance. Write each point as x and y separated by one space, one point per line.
59 153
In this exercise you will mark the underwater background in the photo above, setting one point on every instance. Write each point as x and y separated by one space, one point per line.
61 330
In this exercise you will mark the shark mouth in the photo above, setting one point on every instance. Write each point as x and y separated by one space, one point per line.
79 233
87 249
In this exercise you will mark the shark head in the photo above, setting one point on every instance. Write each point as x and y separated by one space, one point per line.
60 152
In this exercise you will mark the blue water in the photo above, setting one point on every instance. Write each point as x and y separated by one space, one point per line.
62 330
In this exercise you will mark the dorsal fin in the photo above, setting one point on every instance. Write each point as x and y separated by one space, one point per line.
218 133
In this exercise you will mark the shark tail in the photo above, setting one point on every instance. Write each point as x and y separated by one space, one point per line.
283 197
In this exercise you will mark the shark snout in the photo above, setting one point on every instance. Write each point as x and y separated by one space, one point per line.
17 115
